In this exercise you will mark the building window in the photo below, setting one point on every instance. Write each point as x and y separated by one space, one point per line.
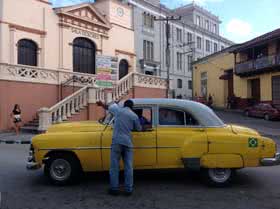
27 52
179 83
179 61
207 45
215 28
207 25
148 20
148 50
189 38
123 68
222 47
198 40
179 35
190 85
215 47
203 84
190 58
84 53
198 20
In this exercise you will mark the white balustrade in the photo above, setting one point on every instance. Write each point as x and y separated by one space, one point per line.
90 94
24 73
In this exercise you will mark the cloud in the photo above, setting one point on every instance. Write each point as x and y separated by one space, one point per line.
239 30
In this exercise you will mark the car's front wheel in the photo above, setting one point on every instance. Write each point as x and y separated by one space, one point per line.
62 169
218 177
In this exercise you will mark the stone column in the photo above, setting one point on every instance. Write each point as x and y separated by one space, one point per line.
45 119
12 45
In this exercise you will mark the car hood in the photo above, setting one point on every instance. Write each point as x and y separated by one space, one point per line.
81 126
243 130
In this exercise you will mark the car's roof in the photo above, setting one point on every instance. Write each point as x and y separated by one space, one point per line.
201 112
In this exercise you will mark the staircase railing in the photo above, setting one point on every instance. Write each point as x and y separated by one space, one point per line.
122 87
88 94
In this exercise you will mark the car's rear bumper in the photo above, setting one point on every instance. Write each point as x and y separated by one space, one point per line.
271 161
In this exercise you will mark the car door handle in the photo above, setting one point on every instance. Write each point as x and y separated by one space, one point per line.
199 130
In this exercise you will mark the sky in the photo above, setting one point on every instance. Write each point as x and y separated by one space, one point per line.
242 20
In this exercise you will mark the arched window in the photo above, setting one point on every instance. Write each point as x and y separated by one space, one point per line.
27 52
123 68
179 83
84 52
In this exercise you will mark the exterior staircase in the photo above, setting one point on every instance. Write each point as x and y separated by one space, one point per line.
31 127
89 94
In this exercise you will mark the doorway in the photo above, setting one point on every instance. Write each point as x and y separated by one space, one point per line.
123 68
256 90
276 90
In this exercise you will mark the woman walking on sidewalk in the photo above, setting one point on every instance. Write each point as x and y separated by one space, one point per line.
16 116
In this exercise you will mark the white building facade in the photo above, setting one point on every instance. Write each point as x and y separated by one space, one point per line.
196 35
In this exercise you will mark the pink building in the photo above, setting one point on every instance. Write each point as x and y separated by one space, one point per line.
56 63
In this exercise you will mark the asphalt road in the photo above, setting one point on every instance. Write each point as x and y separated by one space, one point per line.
254 188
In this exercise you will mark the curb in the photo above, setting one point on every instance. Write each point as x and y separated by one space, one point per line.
14 142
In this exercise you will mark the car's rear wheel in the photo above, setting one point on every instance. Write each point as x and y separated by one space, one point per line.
247 114
218 177
266 117
63 169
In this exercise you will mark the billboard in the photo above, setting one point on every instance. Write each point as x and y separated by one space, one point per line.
106 71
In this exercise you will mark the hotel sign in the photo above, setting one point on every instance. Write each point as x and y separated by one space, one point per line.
85 33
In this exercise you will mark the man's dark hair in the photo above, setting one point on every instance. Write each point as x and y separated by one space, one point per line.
128 103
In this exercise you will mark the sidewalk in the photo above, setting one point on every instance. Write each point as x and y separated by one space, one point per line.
12 138
228 110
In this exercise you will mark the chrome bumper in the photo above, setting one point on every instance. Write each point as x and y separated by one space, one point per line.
32 166
271 161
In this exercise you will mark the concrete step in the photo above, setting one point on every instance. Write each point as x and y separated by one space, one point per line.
32 123
29 129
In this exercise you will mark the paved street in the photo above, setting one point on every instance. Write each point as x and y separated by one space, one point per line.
254 188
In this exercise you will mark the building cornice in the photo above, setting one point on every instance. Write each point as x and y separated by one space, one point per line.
45 2
127 28
118 51
24 28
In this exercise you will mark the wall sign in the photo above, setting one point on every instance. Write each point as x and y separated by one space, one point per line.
85 33
106 68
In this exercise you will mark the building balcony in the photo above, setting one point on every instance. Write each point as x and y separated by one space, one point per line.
258 66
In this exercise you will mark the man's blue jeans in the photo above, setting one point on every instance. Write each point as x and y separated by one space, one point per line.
119 151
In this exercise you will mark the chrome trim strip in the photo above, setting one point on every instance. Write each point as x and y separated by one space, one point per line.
94 148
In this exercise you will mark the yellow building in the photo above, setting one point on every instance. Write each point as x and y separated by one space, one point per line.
214 75
248 72
257 69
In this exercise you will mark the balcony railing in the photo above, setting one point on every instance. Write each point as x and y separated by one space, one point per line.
257 65
244 67
264 62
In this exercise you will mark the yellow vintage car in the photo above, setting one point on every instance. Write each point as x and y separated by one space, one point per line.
184 134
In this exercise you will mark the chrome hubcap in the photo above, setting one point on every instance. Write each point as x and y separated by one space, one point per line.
219 175
266 117
60 169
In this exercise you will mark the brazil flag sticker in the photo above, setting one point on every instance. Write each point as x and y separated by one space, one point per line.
253 142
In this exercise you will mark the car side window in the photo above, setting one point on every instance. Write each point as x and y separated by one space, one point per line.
171 117
190 120
145 115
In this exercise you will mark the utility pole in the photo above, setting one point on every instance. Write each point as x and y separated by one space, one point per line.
167 34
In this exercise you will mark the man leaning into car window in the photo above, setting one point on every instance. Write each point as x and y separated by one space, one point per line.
125 121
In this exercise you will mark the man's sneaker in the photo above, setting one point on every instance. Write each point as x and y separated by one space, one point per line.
113 192
126 193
